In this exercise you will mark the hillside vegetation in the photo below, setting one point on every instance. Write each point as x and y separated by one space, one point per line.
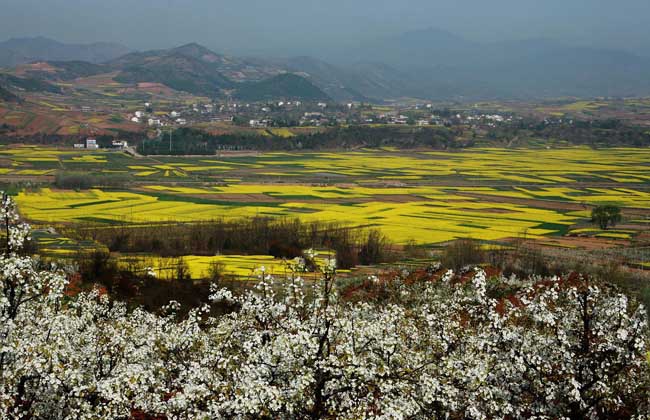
28 84
69 70
286 86
7 96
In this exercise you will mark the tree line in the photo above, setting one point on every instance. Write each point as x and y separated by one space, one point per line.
279 237
190 141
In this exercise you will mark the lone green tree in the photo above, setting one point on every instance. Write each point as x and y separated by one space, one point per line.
607 215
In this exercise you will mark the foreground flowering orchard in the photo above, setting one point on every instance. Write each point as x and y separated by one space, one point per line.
445 349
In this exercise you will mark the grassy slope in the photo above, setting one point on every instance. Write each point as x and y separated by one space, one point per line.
287 86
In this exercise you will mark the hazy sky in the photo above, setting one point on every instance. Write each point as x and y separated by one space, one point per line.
288 27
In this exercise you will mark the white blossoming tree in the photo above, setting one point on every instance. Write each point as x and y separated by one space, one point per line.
558 348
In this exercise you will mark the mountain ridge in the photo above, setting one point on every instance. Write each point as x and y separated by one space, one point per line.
428 64
443 65
17 51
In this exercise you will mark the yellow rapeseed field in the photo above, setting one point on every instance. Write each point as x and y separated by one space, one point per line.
425 196
435 217
241 266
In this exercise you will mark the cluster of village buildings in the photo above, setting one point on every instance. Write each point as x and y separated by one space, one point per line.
298 113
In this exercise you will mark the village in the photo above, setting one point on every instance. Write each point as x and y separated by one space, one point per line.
306 114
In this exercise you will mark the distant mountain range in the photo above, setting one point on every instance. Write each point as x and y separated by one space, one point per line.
443 65
18 51
353 82
427 64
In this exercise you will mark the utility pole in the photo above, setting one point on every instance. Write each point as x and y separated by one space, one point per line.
170 140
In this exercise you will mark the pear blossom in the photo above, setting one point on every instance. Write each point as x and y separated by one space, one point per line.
290 349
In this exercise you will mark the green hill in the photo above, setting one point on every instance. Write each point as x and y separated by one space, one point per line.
68 70
7 96
183 68
28 84
285 86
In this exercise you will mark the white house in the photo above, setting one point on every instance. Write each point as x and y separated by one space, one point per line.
139 114
135 119
258 123
91 144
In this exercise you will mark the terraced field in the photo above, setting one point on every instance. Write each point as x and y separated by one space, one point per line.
422 196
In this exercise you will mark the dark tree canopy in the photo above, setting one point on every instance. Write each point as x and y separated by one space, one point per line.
606 215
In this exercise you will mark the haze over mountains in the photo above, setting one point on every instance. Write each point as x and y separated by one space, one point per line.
427 64
446 65
17 51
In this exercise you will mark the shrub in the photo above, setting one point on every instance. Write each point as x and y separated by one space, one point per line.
462 253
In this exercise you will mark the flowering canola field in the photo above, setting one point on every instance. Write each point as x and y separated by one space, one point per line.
241 266
423 196
433 216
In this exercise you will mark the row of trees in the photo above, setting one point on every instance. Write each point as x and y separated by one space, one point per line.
597 133
281 238
557 348
189 141
84 180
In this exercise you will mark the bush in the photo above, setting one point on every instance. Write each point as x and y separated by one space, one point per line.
73 181
373 248
461 253
84 181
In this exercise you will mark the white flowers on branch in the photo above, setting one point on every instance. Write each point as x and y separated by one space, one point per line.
561 348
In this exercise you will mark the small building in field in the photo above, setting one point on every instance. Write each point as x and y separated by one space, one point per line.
79 146
91 144
258 123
